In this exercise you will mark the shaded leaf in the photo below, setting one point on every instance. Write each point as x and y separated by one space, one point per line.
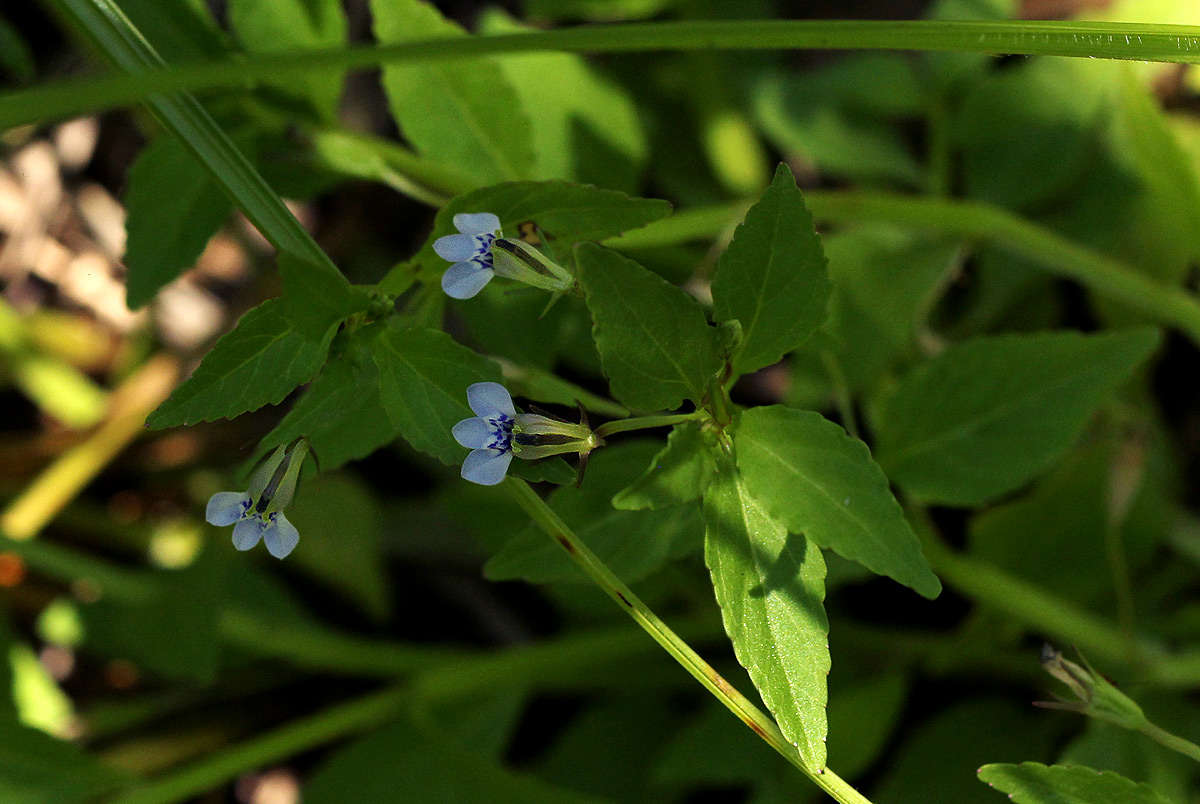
677 474
990 414
36 768
465 114
585 126
339 523
342 412
424 766
821 482
258 363
940 753
656 347
171 632
563 212
770 587
631 544
269 26
174 207
315 297
423 375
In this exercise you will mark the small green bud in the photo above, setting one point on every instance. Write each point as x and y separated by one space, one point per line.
516 259
1098 698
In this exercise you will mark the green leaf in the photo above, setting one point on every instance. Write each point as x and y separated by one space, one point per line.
861 719
837 119
632 544
423 376
990 414
625 731
677 474
585 127
1063 520
773 277
884 278
16 58
548 470
464 114
771 586
540 385
821 482
940 750
103 23
36 768
258 363
340 523
1026 133
172 631
270 26
565 214
654 342
174 207
1034 783
423 766
315 298
342 412
184 30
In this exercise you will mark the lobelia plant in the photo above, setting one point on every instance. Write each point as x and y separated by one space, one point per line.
817 407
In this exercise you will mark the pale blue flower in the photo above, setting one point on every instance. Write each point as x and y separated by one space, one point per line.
256 514
489 435
228 507
471 253
498 432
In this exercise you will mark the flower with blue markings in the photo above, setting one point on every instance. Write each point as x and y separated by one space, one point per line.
480 251
257 513
497 433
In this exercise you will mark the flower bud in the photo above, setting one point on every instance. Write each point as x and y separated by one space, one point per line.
516 259
1098 698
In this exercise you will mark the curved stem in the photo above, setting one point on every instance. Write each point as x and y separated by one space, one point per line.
758 722
1171 43
342 720
646 423
1176 743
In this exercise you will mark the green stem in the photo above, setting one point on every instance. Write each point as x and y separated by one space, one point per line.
549 521
977 221
1174 742
343 150
1035 607
330 724
842 397
646 423
1171 43
318 648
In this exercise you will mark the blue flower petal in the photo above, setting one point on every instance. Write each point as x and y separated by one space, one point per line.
247 533
486 466
473 223
489 398
455 248
472 433
463 280
226 507
281 537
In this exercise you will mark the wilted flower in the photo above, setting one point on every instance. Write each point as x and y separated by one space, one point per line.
498 432
479 252
258 511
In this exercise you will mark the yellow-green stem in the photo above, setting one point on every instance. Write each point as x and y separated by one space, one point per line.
758 722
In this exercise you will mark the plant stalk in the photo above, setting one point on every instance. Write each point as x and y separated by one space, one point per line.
758 722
